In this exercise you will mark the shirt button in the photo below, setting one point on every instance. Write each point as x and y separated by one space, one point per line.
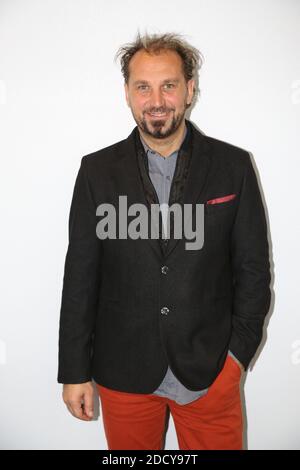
164 311
164 269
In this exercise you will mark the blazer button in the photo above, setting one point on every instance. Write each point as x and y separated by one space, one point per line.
164 269
164 311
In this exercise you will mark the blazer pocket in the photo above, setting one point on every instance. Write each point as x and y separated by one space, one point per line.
223 203
221 199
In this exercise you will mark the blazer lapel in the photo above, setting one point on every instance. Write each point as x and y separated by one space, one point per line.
197 175
130 182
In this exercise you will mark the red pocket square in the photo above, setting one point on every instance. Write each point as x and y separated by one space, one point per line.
221 199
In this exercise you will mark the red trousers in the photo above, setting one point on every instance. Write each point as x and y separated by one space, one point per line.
212 422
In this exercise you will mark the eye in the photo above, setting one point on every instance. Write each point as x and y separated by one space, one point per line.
142 87
169 84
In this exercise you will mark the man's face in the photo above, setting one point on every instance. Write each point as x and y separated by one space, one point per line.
157 92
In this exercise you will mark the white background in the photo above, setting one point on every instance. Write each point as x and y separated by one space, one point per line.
61 97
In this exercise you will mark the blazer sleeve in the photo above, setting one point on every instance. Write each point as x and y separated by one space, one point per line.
251 270
80 286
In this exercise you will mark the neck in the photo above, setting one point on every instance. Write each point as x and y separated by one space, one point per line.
167 146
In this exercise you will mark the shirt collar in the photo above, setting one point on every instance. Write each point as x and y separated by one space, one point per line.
147 148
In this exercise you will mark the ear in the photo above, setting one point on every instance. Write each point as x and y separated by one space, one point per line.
190 86
126 93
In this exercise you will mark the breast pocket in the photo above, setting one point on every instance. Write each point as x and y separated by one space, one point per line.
218 222
220 207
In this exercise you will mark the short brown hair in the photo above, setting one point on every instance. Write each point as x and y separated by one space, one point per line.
192 59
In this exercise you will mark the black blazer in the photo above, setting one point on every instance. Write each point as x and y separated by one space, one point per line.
123 318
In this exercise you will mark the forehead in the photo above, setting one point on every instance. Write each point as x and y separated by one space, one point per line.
144 65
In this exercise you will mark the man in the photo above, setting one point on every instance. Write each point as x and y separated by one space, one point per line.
153 323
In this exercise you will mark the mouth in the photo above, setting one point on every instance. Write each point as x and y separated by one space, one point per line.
158 115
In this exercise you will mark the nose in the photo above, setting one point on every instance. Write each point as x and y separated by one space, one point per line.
157 100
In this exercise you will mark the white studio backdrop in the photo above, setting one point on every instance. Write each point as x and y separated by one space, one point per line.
61 97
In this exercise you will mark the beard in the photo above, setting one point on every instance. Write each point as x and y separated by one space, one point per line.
159 128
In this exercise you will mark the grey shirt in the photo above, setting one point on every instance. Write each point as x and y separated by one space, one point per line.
161 171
